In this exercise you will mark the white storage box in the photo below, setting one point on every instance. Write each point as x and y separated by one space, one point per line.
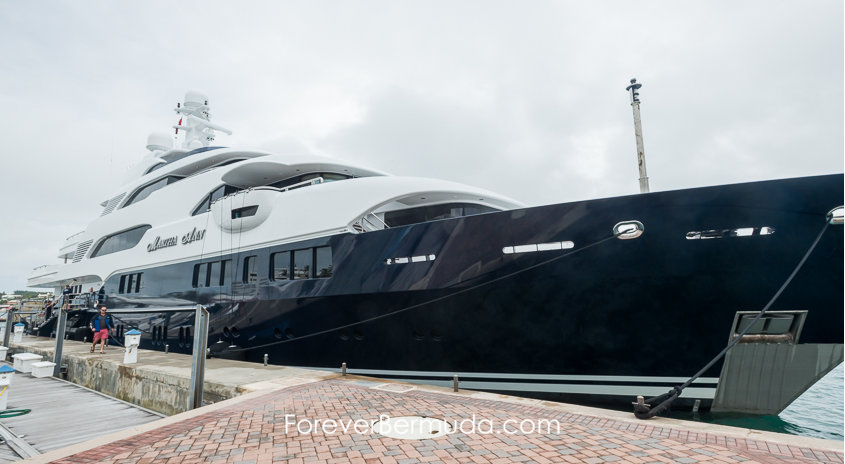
43 369
24 361
3 351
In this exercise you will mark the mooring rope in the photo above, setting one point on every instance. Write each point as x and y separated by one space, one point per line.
645 411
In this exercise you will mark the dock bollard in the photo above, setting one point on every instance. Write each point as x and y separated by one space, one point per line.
343 369
166 348
6 375
18 332
131 341
266 357
455 382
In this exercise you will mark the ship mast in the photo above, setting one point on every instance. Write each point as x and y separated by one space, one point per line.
638 133
195 121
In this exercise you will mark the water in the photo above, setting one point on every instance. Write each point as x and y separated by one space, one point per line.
817 413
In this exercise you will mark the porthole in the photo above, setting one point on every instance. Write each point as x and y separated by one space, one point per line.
436 336
226 332
277 334
344 335
288 333
358 335
235 332
418 336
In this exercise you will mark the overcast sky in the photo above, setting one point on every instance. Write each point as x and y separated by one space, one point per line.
524 98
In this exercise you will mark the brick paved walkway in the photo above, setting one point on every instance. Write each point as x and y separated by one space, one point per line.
254 431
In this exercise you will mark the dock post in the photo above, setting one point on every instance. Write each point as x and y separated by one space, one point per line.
343 369
9 317
455 382
61 322
198 365
266 358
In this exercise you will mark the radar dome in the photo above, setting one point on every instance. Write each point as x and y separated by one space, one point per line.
195 98
159 141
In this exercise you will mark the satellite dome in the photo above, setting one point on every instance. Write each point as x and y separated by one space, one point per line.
195 98
159 141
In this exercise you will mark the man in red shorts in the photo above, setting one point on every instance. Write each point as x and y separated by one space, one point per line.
100 325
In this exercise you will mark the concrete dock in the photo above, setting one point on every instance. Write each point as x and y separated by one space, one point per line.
282 414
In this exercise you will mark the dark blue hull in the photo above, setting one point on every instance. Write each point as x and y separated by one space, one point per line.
660 305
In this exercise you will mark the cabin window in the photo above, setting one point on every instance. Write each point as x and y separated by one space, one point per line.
250 274
130 283
434 212
154 167
280 266
219 192
302 263
201 275
212 274
120 241
226 272
244 212
146 190
327 177
323 256
215 276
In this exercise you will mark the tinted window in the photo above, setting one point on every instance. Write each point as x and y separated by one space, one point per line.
302 263
200 275
146 190
119 242
324 262
218 193
215 276
250 275
433 212
280 266
226 271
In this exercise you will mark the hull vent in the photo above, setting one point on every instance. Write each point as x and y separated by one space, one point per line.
112 204
81 249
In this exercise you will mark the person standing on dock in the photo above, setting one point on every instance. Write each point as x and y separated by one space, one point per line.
66 294
100 325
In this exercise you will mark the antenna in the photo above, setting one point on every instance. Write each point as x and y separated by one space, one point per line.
638 133
196 114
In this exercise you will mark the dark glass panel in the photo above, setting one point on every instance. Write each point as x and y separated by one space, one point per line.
302 263
215 276
250 275
280 266
324 262
226 272
120 241
200 273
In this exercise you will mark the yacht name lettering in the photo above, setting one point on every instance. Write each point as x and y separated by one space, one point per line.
166 242
161 243
193 236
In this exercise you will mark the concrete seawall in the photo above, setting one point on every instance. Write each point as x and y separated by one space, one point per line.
159 381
